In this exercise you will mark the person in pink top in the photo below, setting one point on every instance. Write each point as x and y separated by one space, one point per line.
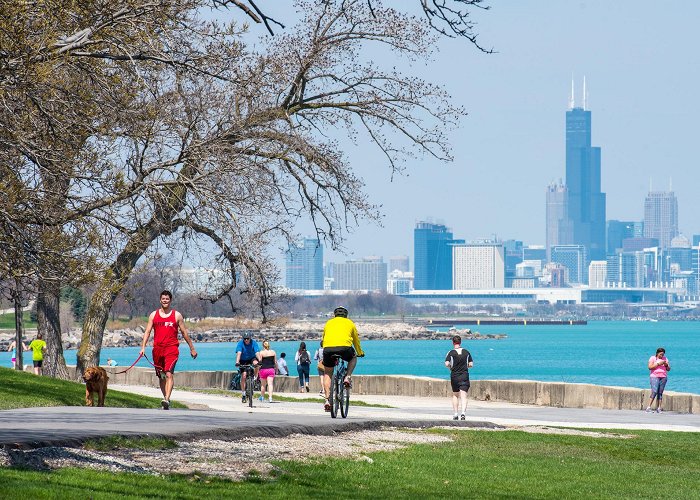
659 367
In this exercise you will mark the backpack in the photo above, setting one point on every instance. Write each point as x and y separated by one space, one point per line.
304 358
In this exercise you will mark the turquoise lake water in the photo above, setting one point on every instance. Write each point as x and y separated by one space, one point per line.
605 353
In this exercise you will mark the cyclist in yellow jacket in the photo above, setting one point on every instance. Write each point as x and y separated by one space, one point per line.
339 337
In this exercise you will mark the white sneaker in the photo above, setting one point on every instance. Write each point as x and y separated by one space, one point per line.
270 400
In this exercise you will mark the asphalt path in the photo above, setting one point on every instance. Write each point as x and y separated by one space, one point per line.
223 417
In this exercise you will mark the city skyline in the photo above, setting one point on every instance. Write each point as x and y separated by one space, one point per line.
511 146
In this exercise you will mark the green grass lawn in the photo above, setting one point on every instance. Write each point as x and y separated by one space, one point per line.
478 464
7 321
26 390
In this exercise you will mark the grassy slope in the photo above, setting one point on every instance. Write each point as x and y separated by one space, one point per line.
7 321
25 390
477 464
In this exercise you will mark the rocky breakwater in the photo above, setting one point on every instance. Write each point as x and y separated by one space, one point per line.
296 331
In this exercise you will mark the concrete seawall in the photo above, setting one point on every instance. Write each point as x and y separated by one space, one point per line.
557 394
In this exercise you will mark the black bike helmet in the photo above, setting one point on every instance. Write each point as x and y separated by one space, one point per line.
246 335
340 311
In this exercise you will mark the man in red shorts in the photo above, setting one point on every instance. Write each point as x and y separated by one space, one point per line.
165 323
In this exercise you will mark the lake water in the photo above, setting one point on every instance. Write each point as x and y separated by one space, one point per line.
604 353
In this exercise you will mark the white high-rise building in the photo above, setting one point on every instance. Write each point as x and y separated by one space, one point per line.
366 274
478 266
661 217
597 273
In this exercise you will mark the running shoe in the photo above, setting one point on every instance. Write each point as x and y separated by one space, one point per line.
243 399
648 410
462 417
455 417
165 404
261 399
659 410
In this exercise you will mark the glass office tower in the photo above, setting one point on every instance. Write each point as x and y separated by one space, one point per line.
305 266
585 202
432 256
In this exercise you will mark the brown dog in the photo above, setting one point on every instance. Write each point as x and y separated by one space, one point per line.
95 383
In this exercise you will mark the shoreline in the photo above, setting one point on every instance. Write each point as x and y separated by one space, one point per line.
295 332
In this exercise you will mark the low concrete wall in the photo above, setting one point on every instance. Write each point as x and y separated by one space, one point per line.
528 392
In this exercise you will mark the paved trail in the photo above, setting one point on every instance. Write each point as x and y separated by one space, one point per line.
226 418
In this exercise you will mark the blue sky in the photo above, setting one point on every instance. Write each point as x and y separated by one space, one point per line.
640 61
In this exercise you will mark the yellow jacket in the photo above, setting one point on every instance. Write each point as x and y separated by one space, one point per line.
341 332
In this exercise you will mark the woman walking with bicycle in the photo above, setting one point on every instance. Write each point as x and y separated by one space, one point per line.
339 337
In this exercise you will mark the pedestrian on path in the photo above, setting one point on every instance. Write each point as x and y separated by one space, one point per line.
165 323
318 358
38 348
659 367
268 364
303 361
282 365
14 348
458 361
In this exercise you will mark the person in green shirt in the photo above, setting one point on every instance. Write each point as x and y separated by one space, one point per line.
38 347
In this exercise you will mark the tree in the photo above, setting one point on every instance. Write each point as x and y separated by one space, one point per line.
176 130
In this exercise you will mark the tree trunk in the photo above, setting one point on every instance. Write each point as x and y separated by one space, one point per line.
49 325
19 326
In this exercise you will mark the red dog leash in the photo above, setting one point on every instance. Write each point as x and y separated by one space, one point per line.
143 355
132 365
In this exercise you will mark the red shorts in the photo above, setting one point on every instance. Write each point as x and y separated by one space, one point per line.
165 358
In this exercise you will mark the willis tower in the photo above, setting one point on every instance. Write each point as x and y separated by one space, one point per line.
585 203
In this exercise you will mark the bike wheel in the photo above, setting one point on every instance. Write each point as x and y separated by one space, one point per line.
249 386
333 395
344 398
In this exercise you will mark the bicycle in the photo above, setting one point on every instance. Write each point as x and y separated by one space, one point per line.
249 382
340 393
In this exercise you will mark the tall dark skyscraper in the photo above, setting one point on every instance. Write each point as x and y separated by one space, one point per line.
432 256
585 203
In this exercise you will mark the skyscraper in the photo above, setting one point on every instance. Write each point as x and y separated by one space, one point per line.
575 259
585 205
661 217
399 263
305 266
368 273
478 265
558 227
432 256
621 230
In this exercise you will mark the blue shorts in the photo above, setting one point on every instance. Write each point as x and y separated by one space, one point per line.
657 386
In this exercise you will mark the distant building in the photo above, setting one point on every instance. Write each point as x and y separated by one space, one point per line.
597 273
432 254
399 263
618 231
513 256
478 266
366 274
535 252
304 270
636 244
661 217
626 269
585 203
399 282
558 226
575 259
